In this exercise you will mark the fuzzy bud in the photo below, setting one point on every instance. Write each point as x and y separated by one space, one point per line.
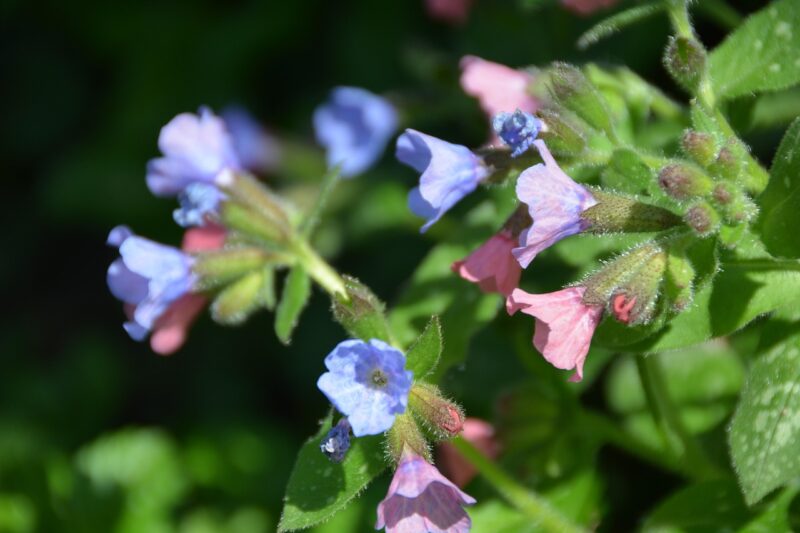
685 60
220 267
614 213
236 302
360 311
699 146
734 205
574 91
405 433
684 182
679 279
702 218
444 418
603 284
245 220
633 302
728 165
561 136
248 191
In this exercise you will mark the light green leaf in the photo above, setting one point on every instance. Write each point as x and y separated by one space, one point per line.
296 291
763 54
780 202
318 488
626 172
424 354
765 431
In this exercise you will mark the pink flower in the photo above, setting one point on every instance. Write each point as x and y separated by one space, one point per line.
555 204
421 499
564 325
451 11
587 7
170 331
453 465
497 87
492 266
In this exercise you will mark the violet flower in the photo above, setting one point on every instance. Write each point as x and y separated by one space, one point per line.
449 172
555 204
149 276
420 499
337 441
354 127
564 325
257 150
517 130
368 383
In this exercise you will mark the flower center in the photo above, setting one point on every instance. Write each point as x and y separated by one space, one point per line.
378 378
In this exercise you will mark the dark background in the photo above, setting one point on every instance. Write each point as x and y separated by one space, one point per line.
85 88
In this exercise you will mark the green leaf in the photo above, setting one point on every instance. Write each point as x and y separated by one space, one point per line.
318 488
780 215
763 54
626 172
424 354
765 431
296 291
363 314
616 22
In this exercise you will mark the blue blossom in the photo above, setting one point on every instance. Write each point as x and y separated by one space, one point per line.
354 127
336 443
196 148
449 172
518 130
258 151
149 277
368 383
198 201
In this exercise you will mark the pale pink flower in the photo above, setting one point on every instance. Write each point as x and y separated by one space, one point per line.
497 87
587 7
421 499
453 465
564 325
170 331
492 266
555 203
453 12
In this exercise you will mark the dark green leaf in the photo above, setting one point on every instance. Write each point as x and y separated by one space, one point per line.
763 54
318 488
424 354
765 431
296 290
780 202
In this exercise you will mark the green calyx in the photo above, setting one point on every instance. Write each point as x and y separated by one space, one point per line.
406 434
615 213
442 417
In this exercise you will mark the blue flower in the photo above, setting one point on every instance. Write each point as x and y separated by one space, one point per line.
449 173
368 383
337 441
196 149
149 277
198 202
518 130
354 127
258 151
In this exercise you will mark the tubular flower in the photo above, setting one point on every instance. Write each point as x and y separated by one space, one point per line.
258 151
368 383
196 148
354 127
492 266
564 325
497 87
420 499
449 172
555 204
149 277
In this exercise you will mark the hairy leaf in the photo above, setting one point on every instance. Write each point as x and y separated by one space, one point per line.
296 290
424 354
780 202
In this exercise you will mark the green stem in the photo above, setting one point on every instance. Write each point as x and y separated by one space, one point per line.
666 416
526 501
318 269
679 17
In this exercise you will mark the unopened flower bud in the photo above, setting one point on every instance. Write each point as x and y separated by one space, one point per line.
605 283
250 223
683 182
573 91
236 302
633 302
679 279
444 418
248 191
360 311
702 218
685 60
337 441
734 205
561 136
405 433
615 213
699 146
728 165
220 267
